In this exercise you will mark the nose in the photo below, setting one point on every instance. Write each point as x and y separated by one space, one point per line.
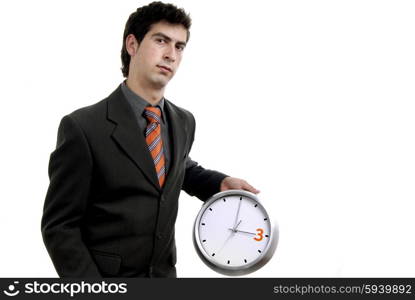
170 54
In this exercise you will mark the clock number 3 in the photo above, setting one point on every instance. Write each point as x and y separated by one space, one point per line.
260 232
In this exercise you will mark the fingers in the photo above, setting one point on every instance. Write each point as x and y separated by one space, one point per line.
246 186
238 184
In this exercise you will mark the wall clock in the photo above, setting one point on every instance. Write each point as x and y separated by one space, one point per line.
234 234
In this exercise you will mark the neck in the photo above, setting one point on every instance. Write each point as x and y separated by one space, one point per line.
151 95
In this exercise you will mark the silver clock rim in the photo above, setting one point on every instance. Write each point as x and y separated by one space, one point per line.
240 270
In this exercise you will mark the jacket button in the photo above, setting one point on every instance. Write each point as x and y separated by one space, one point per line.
159 236
162 201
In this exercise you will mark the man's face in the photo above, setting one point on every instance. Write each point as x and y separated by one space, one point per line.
159 54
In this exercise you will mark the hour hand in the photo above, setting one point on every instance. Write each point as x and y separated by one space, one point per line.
234 229
237 215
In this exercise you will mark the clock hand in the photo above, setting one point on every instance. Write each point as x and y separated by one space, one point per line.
242 231
237 214
246 232
232 233
238 225
234 229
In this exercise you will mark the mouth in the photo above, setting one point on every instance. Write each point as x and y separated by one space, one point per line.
164 68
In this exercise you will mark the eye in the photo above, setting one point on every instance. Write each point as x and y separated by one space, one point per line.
160 41
180 47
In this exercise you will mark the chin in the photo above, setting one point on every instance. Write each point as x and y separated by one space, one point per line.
161 82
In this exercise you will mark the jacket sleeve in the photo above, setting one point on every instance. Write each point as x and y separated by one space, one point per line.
198 181
70 169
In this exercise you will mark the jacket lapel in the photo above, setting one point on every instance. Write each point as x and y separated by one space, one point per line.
128 136
178 134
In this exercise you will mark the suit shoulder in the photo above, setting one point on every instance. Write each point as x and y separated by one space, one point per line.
90 112
94 116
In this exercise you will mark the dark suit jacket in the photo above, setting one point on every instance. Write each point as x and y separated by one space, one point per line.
104 212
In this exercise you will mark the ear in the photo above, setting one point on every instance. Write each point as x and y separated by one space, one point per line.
131 44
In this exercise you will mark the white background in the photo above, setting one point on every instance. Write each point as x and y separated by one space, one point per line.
310 101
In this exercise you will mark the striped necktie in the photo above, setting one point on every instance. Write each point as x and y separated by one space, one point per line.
154 141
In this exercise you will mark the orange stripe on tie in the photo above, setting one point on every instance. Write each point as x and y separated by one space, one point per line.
155 142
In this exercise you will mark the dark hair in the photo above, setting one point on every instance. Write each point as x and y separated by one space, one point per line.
140 22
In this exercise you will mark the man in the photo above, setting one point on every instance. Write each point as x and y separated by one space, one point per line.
119 165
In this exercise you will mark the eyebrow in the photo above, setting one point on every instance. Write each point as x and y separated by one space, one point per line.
167 38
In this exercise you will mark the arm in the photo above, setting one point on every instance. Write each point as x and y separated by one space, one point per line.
204 183
201 182
70 169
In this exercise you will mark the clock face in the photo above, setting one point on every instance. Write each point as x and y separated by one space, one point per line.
233 231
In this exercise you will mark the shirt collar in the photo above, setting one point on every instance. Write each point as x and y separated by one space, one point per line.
138 103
